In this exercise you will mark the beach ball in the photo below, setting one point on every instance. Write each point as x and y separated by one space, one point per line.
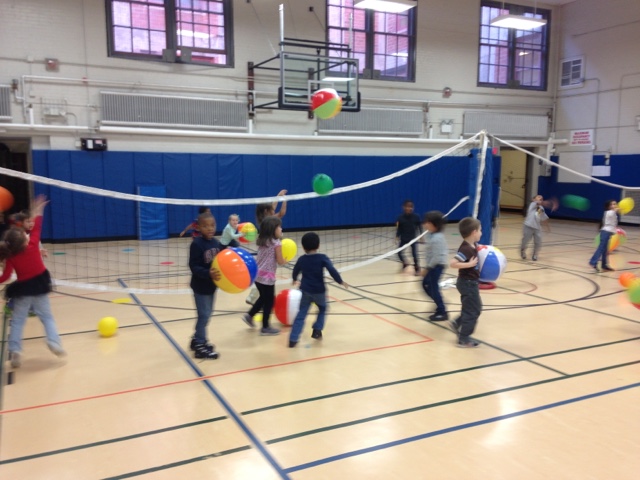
6 199
575 201
626 205
107 326
634 292
250 232
626 278
326 103
491 263
289 249
614 242
322 184
287 305
237 269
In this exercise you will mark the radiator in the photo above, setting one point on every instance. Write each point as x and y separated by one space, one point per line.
5 103
376 121
507 124
157 110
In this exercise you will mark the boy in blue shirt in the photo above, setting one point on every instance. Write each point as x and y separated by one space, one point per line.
312 286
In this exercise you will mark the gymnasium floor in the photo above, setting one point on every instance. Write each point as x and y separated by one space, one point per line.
551 393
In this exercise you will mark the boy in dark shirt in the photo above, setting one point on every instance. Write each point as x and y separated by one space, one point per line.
313 289
466 261
408 227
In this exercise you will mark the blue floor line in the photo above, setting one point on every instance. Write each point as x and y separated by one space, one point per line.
232 413
435 433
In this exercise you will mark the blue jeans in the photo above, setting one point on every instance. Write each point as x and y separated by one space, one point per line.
320 300
42 308
204 307
431 286
602 250
471 307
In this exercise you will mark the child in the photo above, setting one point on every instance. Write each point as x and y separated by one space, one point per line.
436 258
532 223
312 266
408 227
264 210
203 250
230 232
466 261
608 226
31 289
193 226
268 259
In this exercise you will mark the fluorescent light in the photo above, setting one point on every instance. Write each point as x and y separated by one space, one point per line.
337 79
390 6
518 22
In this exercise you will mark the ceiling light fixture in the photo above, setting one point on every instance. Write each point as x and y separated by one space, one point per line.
389 6
519 22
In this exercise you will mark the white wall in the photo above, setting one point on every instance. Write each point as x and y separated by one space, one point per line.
74 32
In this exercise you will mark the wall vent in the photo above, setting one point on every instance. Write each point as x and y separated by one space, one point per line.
572 72
5 103
135 109
376 121
507 124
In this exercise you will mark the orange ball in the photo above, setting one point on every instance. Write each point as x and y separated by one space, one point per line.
626 278
6 199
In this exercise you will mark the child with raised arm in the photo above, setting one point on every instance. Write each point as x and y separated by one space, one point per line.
311 265
608 226
230 233
31 290
536 217
466 261
437 253
193 226
203 250
408 227
268 258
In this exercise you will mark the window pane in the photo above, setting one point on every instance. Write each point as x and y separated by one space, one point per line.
121 14
122 39
139 16
140 41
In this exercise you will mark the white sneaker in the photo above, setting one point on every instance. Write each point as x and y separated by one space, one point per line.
57 350
16 359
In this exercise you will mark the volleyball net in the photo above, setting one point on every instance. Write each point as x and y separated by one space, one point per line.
112 239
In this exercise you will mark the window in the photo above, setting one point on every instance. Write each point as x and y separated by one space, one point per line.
512 58
187 31
383 43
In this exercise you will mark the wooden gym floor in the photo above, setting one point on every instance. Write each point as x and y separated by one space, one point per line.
551 393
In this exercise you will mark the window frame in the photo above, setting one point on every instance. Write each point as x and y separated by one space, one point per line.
512 45
368 65
176 53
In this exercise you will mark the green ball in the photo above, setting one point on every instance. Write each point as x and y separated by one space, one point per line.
577 202
322 184
634 291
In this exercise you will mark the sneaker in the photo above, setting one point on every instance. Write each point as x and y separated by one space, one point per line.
439 317
523 255
595 267
195 344
57 350
607 268
248 319
16 359
317 334
534 258
292 344
454 326
269 331
467 344
202 351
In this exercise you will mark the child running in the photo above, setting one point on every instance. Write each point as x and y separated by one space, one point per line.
268 258
311 265
466 261
31 289
608 226
203 250
437 253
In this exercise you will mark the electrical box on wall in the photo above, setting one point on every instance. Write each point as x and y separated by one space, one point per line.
93 144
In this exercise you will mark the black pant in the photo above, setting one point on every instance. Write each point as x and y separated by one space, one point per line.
414 252
471 307
265 302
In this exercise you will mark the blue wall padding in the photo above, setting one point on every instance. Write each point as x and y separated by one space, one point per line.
625 170
75 216
152 217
